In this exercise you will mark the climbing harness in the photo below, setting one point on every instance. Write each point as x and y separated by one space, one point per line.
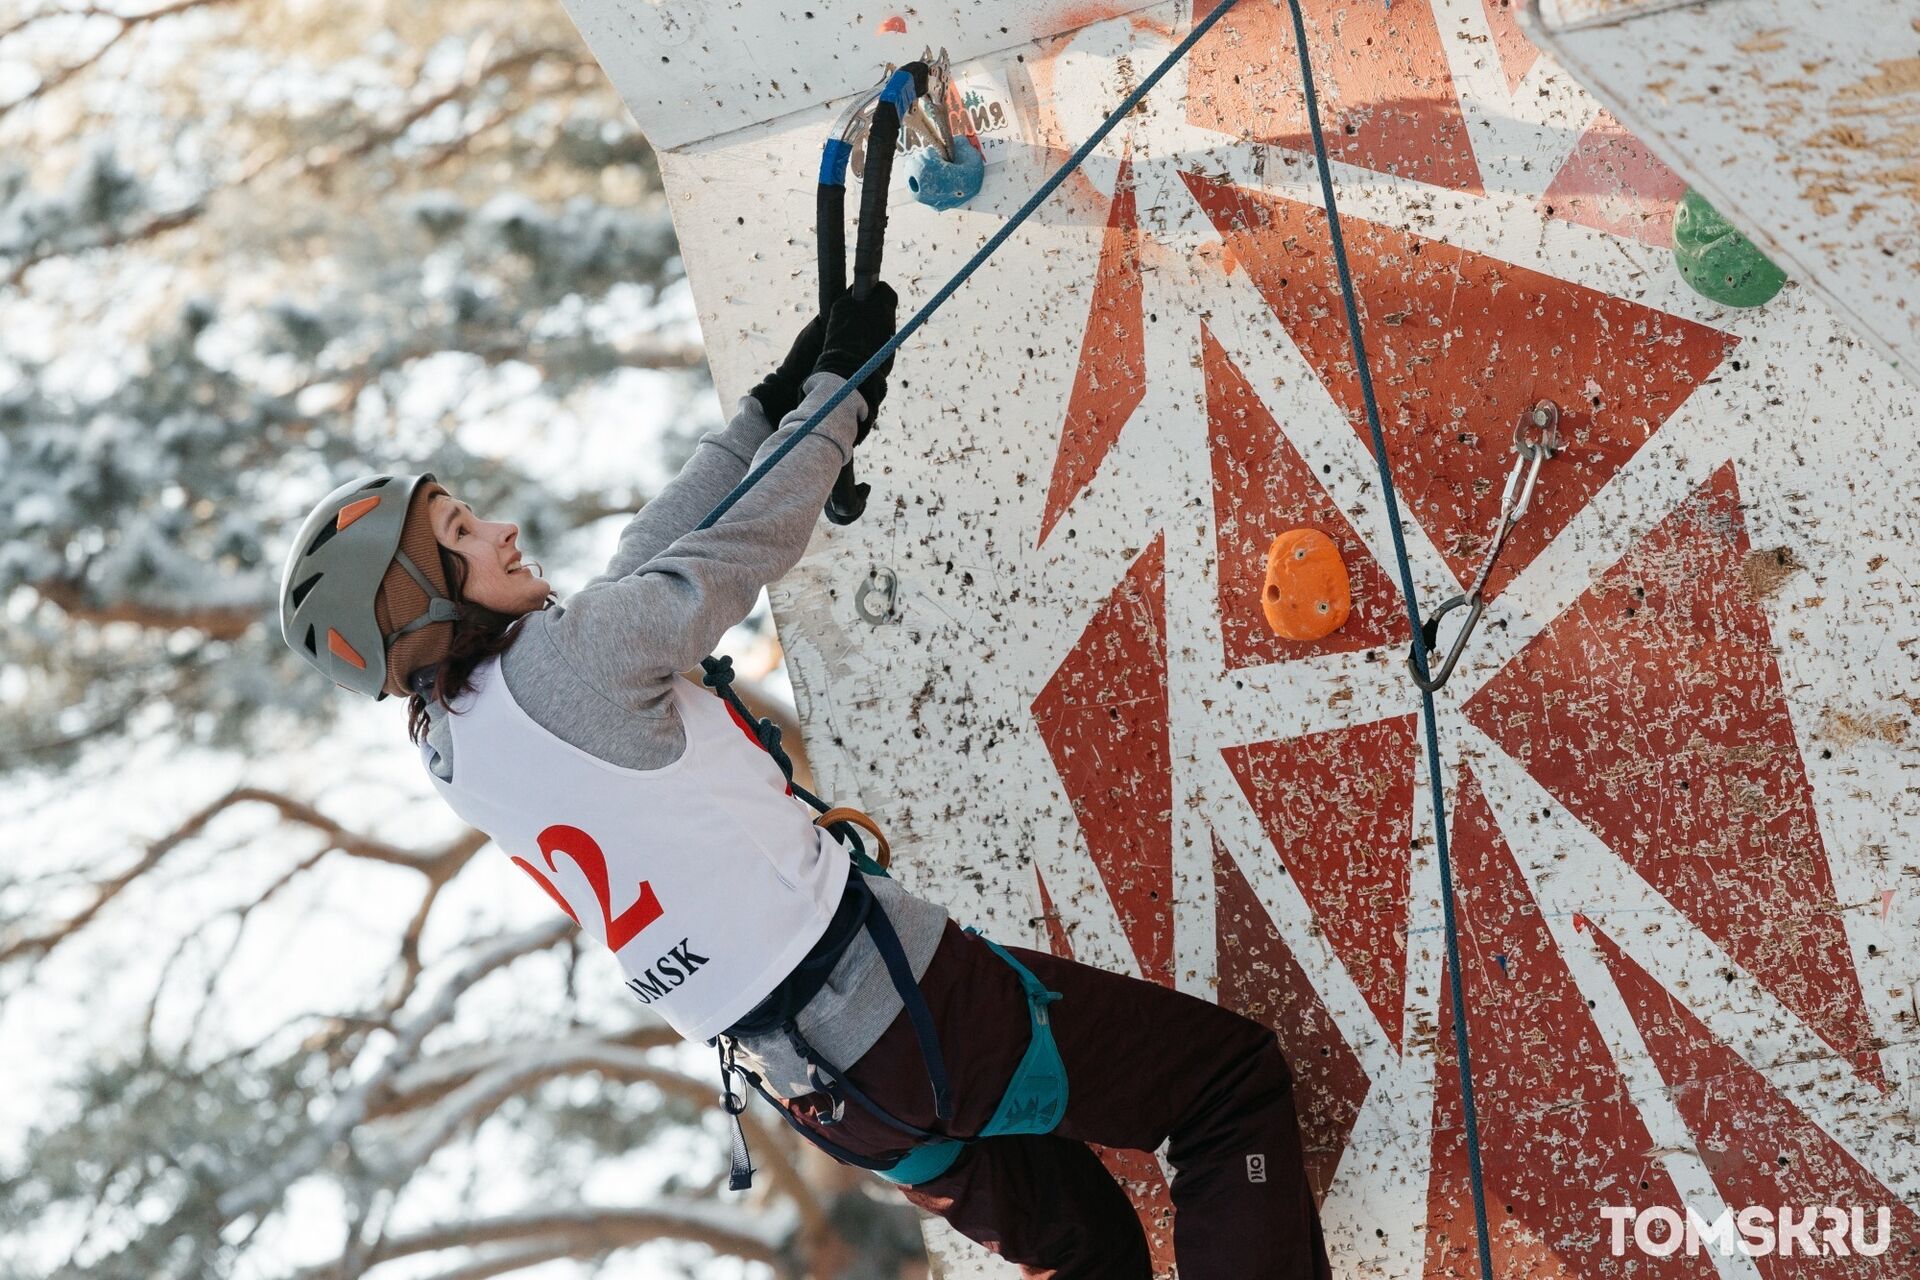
1034 1101
1536 437
901 93
1421 645
1037 1093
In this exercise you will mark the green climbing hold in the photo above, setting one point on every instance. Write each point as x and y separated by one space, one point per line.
1717 260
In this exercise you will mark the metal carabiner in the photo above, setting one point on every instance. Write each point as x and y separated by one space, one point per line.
1430 638
1531 451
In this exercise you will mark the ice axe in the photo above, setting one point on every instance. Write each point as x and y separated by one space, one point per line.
892 102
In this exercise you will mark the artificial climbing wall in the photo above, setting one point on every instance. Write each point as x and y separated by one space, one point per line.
1681 755
1800 118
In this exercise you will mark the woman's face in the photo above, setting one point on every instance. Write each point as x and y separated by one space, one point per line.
495 576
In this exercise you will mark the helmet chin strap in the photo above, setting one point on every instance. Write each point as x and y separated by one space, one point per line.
439 608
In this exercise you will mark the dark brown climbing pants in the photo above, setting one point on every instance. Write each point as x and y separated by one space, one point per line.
1145 1065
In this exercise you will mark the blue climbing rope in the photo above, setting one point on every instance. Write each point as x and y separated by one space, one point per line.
1358 340
1434 784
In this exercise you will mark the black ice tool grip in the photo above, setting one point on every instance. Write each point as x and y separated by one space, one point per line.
848 500
830 212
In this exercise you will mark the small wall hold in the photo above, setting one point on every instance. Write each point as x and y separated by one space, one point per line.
1307 595
939 184
1717 261
893 26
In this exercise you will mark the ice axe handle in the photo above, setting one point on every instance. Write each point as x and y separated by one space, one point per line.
876 177
849 498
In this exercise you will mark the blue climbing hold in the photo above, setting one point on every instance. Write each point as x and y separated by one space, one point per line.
942 184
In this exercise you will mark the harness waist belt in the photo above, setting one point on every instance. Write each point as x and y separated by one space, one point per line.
785 1001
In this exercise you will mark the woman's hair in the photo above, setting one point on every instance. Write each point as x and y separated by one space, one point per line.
480 633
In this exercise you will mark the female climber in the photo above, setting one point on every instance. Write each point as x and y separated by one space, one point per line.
972 1075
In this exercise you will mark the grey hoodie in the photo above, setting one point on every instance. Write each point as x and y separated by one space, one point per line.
596 669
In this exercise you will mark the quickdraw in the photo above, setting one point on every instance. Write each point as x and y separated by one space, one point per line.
1536 437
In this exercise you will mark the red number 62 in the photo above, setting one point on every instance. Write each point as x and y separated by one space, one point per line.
586 855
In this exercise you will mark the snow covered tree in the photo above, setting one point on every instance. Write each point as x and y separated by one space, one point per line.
251 248
468 1084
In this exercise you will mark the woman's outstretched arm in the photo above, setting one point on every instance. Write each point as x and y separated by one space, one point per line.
718 462
628 635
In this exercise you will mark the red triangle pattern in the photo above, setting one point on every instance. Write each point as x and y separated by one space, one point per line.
1260 978
1103 716
1517 53
1111 378
1560 1138
1140 1176
1612 182
1056 928
1760 1148
1262 487
1138 1172
1338 808
1386 93
1460 345
1652 708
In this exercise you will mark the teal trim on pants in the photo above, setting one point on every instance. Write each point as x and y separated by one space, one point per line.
1036 1096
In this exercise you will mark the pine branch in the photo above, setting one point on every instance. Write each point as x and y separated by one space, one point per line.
517 62
220 622
352 1107
436 864
591 1229
467 1087
319 164
128 23
427 1081
502 1262
112 721
648 354
112 888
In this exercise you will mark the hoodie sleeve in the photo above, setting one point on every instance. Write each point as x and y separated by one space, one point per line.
718 462
627 633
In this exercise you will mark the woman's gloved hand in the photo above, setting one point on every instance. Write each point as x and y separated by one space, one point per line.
779 392
856 329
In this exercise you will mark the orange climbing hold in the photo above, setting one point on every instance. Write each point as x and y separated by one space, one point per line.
894 26
1306 596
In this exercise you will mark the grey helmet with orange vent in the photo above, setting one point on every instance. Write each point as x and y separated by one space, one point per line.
364 598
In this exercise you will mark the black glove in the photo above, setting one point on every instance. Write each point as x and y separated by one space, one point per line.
855 330
779 392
